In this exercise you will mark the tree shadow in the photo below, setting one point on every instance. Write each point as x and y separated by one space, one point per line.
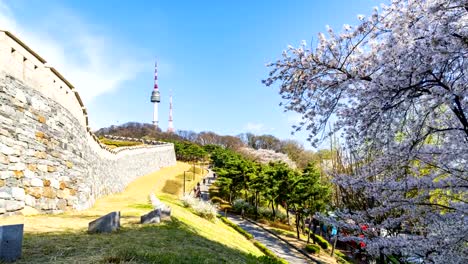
168 242
172 187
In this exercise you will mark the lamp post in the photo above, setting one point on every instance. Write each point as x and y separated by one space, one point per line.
184 182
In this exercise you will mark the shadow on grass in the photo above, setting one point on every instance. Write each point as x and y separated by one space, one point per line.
172 187
169 242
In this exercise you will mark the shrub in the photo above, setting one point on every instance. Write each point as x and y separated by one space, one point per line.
205 210
269 253
201 208
342 258
240 204
216 199
236 227
188 201
321 241
311 248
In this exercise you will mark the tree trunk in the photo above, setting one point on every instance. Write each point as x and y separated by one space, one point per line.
308 233
287 213
256 206
273 208
302 225
298 218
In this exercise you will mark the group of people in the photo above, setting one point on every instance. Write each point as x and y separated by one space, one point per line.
197 191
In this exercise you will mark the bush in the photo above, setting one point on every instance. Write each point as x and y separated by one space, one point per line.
216 199
311 248
240 204
236 227
205 210
342 258
269 253
188 201
321 241
201 208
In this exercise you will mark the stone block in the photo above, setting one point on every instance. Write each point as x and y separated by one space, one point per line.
165 213
5 192
151 217
11 241
36 182
42 167
6 174
35 192
18 193
12 206
49 192
18 174
105 224
4 159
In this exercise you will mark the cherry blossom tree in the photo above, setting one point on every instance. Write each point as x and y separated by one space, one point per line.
395 87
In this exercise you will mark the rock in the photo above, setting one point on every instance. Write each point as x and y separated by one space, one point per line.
6 174
165 213
35 192
11 205
47 204
62 204
5 192
29 174
49 192
4 159
42 167
11 241
36 182
29 200
54 184
18 193
151 217
6 150
105 224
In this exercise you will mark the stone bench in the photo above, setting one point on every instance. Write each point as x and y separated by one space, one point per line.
105 224
156 216
11 241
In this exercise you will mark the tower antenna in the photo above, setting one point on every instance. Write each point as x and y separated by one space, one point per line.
155 96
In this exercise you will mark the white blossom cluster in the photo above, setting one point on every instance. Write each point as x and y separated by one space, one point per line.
396 83
204 209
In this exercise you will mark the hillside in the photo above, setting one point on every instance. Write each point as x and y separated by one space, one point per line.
187 239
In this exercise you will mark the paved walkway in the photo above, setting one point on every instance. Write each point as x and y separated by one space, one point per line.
279 247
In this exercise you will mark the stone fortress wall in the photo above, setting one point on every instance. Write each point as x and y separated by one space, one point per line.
50 161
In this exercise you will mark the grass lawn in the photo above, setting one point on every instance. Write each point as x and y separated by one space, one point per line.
186 239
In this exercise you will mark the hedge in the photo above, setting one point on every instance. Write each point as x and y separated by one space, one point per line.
321 241
311 248
236 227
269 253
342 258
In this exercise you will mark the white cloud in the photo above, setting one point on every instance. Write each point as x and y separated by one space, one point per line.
254 127
92 61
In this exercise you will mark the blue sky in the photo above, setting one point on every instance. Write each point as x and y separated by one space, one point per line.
211 54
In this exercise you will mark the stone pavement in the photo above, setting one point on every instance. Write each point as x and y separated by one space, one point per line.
279 247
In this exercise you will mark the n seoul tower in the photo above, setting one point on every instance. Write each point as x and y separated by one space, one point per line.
155 97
